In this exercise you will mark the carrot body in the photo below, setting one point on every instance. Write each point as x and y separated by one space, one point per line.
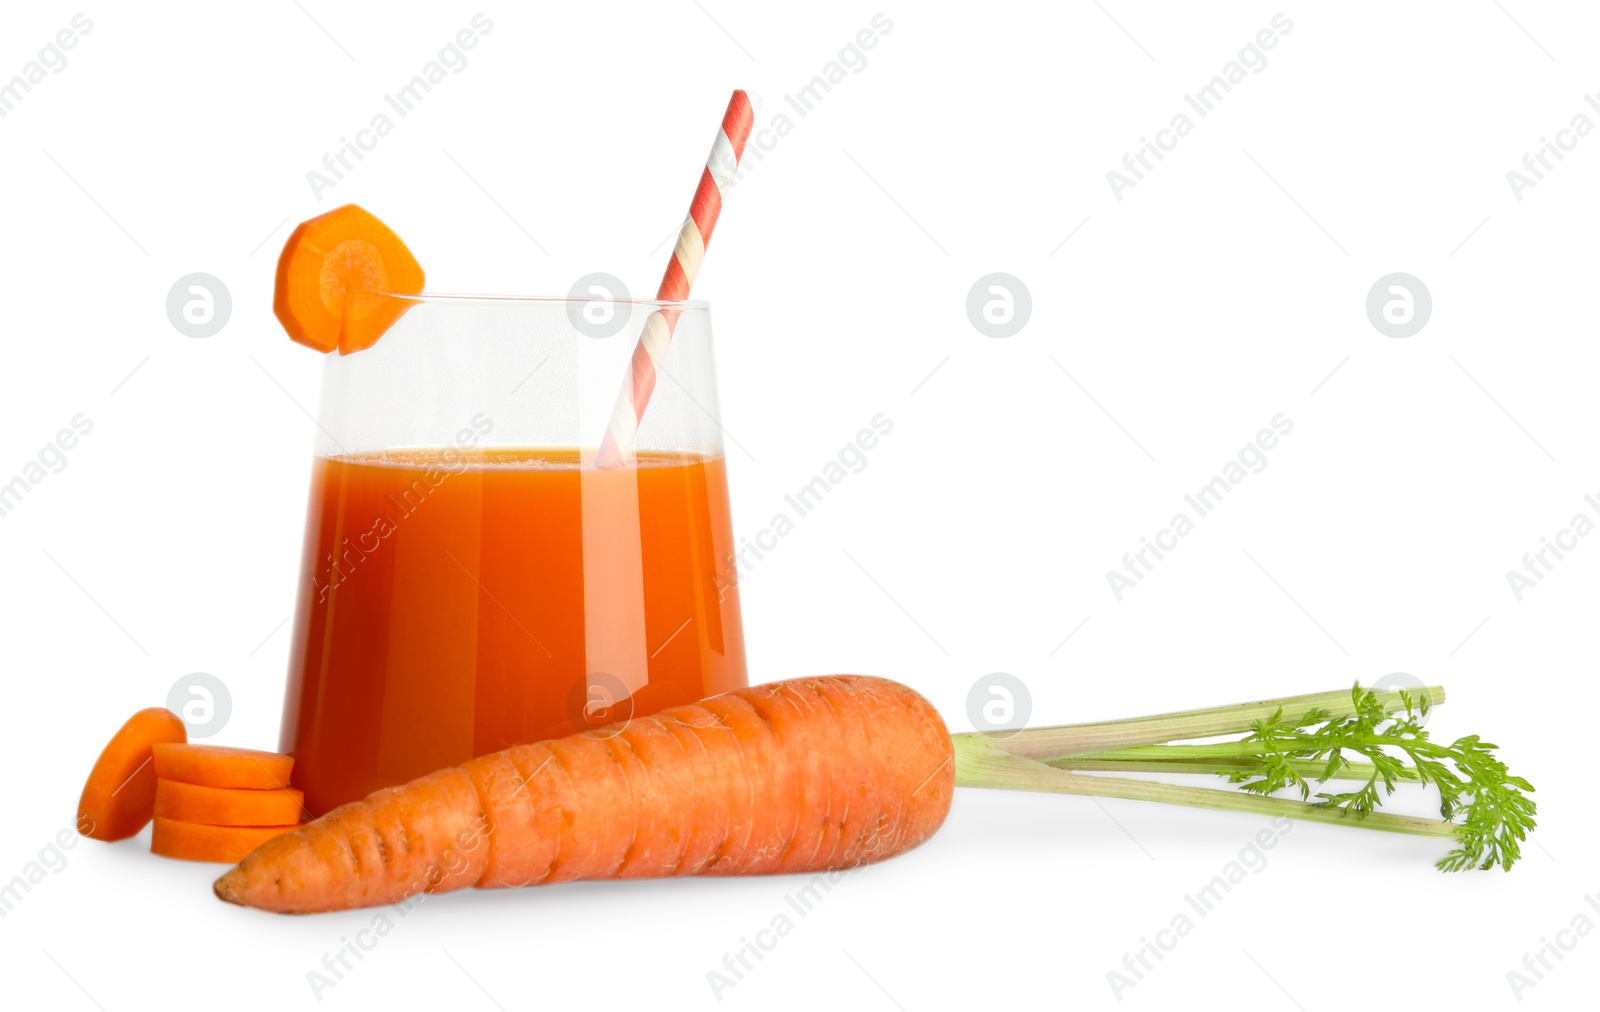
221 766
336 278
119 796
228 806
803 775
189 841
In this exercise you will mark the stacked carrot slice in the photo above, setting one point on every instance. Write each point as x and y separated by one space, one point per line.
214 803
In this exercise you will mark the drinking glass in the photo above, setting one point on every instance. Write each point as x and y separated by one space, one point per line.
471 580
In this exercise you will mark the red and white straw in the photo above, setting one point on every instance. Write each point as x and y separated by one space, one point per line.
720 171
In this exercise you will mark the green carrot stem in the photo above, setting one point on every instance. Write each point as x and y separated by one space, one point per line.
981 762
1069 740
1308 768
1240 749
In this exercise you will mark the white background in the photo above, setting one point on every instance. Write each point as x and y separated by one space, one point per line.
1227 287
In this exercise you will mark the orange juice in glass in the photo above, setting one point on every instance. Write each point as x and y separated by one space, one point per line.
471 580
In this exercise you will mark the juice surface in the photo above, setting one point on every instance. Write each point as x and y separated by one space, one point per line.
454 604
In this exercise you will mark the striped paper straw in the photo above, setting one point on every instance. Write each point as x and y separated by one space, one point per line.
718 177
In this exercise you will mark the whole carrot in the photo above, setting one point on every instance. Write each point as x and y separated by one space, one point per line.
803 775
835 772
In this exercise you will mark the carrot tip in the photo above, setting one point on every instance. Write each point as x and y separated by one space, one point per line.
227 887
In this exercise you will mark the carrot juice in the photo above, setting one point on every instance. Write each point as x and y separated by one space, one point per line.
454 604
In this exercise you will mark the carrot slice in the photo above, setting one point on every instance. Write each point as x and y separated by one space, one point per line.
228 806
120 794
221 766
189 841
337 277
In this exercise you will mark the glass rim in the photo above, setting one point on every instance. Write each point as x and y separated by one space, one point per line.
548 301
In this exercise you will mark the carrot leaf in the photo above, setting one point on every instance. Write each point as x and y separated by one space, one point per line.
1373 740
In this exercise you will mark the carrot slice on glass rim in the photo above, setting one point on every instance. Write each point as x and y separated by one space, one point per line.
341 281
